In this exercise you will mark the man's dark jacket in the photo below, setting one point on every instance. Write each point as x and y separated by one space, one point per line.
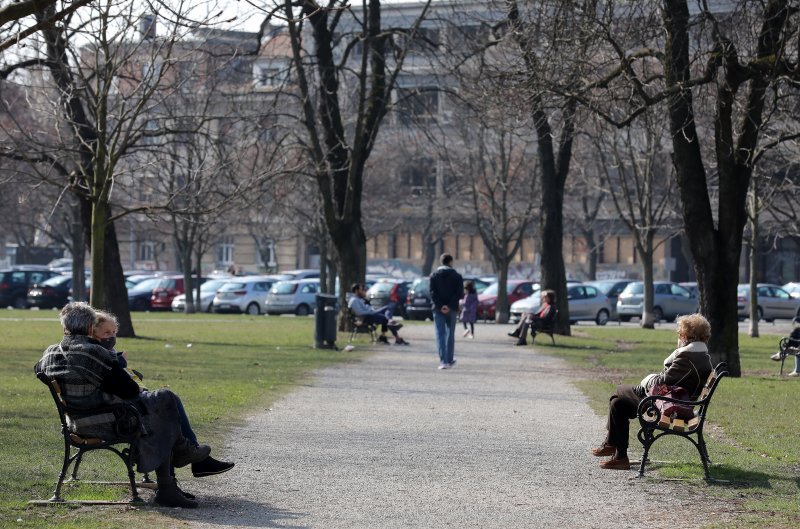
447 288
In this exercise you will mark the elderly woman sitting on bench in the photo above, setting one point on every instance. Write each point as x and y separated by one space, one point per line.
688 367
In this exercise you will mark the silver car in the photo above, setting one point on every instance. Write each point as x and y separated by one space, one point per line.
670 300
207 292
773 302
586 303
246 294
612 288
293 297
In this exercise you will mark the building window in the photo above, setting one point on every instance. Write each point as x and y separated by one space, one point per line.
225 251
417 105
420 177
147 251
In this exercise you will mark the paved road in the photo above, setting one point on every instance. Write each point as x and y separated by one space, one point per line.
501 441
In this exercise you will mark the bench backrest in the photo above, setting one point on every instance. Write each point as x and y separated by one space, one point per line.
55 392
713 380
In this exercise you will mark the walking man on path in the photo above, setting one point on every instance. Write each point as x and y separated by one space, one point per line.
447 288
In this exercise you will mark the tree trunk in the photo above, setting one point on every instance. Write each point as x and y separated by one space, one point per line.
753 328
78 249
116 295
501 309
350 243
593 250
648 318
98 234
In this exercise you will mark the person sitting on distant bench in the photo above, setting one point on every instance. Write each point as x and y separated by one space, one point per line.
542 319
794 342
361 308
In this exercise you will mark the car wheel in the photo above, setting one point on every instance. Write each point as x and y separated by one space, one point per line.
658 314
139 304
302 310
625 318
253 309
602 317
210 307
759 313
20 303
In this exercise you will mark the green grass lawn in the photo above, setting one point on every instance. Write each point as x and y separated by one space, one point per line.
222 366
751 431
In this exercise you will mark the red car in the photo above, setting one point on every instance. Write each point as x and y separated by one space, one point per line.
516 288
166 290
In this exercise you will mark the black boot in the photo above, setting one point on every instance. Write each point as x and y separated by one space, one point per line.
210 466
514 334
185 453
521 342
169 495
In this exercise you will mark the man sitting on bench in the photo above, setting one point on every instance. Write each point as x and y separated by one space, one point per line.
361 308
91 379
542 319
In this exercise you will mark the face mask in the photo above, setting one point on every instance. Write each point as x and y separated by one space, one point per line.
108 343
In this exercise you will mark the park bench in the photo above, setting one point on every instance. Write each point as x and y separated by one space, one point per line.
549 330
654 425
359 326
75 446
787 347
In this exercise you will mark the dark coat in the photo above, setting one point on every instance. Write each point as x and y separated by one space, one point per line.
447 288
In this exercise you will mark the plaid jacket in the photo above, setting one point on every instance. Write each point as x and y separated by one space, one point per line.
80 366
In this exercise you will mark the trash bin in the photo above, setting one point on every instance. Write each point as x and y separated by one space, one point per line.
325 322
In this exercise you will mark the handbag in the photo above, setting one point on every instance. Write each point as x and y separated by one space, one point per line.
672 409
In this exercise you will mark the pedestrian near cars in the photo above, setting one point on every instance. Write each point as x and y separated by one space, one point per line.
447 289
469 310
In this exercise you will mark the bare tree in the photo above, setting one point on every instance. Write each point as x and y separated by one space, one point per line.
738 60
636 172
341 66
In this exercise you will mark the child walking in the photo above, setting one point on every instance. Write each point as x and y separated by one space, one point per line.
469 312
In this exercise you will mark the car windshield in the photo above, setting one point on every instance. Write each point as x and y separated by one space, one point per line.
147 284
230 286
56 281
284 287
420 286
634 288
743 290
380 288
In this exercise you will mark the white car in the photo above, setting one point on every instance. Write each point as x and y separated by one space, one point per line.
207 292
247 294
293 297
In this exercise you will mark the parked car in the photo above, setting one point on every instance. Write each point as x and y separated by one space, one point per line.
167 289
207 292
15 282
293 297
307 273
586 303
480 284
52 293
139 295
692 287
418 300
793 289
386 291
670 300
246 294
773 302
516 289
612 289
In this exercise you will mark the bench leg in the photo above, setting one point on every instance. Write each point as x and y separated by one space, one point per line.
644 459
63 473
552 338
127 456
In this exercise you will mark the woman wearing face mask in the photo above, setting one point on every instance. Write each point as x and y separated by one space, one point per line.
688 367
105 333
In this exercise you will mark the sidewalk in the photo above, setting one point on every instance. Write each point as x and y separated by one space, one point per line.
500 441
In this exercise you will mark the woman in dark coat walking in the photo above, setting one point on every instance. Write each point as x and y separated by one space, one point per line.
469 311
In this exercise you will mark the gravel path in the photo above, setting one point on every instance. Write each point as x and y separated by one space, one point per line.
500 441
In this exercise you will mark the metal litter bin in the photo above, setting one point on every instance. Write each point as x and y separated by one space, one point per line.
325 322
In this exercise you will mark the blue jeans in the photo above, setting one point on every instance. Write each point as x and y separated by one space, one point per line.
186 428
445 325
